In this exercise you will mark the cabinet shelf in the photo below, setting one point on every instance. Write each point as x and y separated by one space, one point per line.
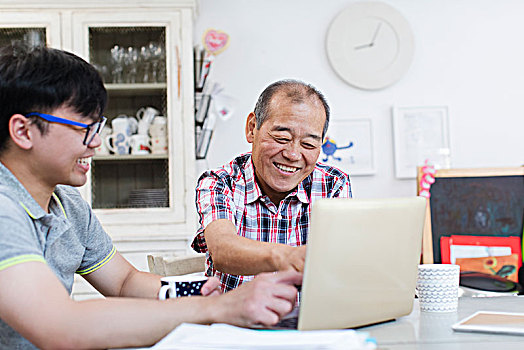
133 157
136 89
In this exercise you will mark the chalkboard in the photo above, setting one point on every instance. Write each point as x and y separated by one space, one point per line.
478 202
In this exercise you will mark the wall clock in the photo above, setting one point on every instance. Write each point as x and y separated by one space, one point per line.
370 45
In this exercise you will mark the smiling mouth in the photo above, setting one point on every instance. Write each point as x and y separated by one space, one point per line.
84 161
286 169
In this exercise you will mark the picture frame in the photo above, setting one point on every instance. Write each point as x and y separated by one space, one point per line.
348 145
420 134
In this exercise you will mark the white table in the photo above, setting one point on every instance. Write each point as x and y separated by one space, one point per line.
428 331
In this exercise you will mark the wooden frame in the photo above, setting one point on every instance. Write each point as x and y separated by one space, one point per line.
427 241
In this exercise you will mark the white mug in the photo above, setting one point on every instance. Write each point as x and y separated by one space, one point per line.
159 145
158 130
145 117
118 141
124 124
103 150
140 144
121 125
160 119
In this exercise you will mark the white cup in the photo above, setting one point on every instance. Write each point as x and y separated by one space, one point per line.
140 144
158 130
159 145
103 150
160 119
118 141
438 287
145 117
123 128
181 286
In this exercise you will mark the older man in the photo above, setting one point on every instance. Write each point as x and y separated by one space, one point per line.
255 211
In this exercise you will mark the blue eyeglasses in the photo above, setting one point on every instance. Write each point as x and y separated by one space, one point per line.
92 129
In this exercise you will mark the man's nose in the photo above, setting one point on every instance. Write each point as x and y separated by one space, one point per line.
292 151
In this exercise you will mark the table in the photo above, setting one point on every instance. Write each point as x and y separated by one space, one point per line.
428 331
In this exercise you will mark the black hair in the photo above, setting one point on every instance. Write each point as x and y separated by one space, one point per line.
295 90
41 79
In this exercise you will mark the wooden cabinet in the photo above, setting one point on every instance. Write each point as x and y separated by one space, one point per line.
144 52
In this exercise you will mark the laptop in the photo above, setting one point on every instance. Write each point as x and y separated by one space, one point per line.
361 262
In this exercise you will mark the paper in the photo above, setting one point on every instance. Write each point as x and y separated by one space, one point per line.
476 251
222 336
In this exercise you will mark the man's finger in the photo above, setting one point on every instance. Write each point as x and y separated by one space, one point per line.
291 277
211 286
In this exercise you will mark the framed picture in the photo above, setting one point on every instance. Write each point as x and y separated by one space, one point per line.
420 134
348 145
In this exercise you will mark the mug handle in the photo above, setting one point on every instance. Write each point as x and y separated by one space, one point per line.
162 293
108 144
140 113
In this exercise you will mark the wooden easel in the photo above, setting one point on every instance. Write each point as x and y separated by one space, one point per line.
466 176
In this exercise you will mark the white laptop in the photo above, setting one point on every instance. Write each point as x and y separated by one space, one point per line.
361 262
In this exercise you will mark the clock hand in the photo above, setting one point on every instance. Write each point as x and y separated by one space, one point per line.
372 40
363 46
375 35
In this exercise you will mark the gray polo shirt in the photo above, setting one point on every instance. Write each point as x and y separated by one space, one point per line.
69 239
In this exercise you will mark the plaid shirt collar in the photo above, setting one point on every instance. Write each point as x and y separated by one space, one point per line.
254 192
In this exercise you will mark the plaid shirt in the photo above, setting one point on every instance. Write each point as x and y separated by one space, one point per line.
232 193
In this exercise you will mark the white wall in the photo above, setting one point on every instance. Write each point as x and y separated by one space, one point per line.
469 56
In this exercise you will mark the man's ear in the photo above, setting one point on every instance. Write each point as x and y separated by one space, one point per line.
20 131
251 125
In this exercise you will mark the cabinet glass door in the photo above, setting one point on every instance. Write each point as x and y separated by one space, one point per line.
34 31
132 177
29 36
130 169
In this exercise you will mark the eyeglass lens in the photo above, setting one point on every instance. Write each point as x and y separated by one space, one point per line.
92 130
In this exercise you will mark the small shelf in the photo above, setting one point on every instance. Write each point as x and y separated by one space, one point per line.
133 157
136 89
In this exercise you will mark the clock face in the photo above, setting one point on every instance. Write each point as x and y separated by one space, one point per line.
370 45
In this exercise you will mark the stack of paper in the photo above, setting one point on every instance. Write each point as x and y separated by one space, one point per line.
222 336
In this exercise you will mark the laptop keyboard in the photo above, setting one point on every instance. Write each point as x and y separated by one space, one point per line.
287 323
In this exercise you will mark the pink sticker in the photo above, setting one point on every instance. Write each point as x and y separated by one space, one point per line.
215 41
427 179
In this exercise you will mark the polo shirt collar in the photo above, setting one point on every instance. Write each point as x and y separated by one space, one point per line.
33 209
254 192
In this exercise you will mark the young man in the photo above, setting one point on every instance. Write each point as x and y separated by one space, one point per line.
51 105
255 211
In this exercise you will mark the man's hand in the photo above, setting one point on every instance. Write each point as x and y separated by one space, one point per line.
287 257
238 255
262 301
211 287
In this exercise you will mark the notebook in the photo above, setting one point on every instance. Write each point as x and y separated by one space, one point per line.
361 262
492 322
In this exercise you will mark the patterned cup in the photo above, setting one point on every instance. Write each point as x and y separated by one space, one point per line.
437 287
181 286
